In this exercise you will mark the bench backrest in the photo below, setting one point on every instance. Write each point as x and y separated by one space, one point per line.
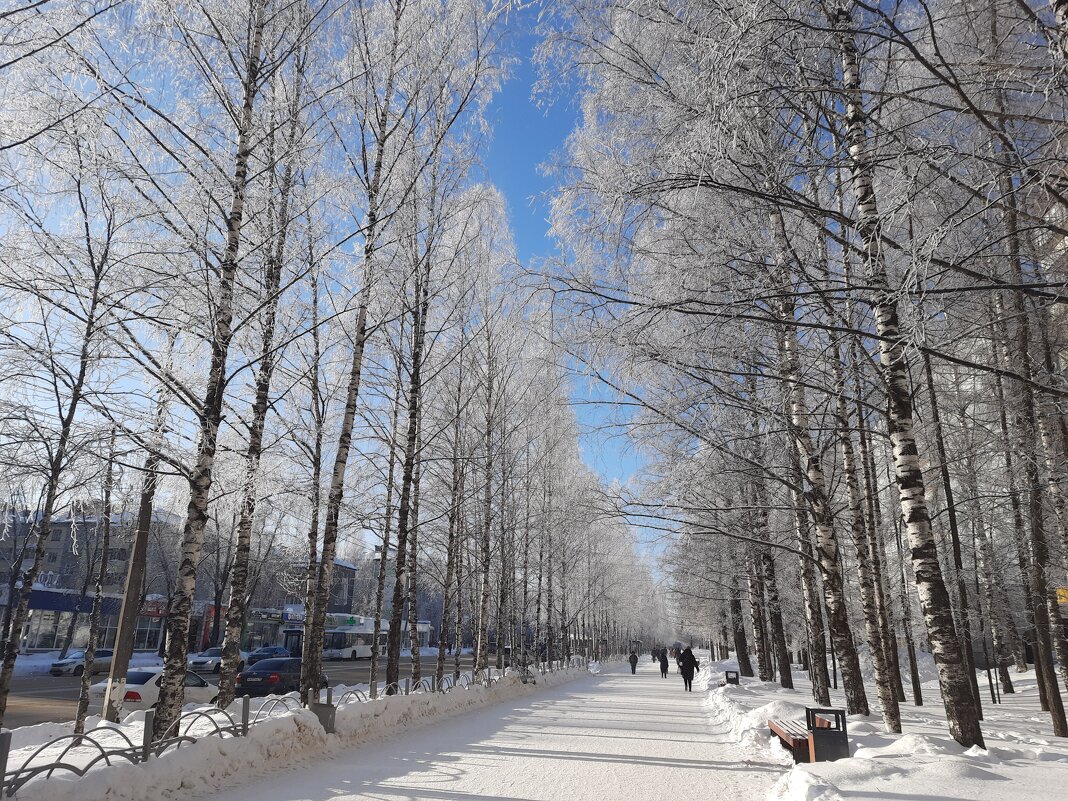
830 719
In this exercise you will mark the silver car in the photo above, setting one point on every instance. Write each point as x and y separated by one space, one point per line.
74 663
210 661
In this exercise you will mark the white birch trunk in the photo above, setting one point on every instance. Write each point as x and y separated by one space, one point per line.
934 598
482 641
98 594
180 609
237 609
859 529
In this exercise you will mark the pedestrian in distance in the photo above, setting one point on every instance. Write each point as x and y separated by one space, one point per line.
663 664
633 662
688 665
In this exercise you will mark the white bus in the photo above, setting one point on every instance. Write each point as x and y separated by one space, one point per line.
351 642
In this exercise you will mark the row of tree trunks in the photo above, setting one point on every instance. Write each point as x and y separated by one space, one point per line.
180 608
819 512
21 586
482 639
387 516
452 549
934 598
1002 627
406 558
371 170
1042 597
875 625
963 604
757 616
413 574
104 525
237 606
315 614
815 638
314 450
741 644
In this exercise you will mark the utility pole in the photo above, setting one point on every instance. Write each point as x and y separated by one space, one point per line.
131 597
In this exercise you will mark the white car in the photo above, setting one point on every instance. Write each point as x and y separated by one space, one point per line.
74 663
142 689
210 661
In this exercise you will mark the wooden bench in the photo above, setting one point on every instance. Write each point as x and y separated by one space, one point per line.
821 738
730 676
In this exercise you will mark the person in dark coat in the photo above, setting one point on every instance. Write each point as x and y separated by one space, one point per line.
688 665
633 662
663 664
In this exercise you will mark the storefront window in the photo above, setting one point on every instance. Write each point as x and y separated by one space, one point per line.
109 629
148 633
42 631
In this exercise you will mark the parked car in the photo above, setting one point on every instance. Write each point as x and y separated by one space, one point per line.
74 663
273 677
210 661
142 689
267 652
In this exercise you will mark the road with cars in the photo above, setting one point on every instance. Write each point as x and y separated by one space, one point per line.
54 699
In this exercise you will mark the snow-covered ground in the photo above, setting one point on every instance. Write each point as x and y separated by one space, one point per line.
1022 759
597 734
608 737
289 738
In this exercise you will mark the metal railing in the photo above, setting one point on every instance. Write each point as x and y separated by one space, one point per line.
79 753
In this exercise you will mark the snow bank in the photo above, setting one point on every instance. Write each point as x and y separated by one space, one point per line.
35 664
741 711
288 737
25 737
358 722
191 770
1022 759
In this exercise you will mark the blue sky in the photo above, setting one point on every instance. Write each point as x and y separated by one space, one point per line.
524 138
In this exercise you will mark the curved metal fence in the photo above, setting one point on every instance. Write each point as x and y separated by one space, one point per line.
79 753
352 696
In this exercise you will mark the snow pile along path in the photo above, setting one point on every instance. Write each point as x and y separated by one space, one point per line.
613 736
288 738
1022 759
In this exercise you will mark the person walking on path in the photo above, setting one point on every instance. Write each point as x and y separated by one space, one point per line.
633 662
688 665
663 664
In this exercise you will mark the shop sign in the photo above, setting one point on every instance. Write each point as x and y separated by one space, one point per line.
154 609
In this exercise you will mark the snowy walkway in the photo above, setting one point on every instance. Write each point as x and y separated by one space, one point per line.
614 736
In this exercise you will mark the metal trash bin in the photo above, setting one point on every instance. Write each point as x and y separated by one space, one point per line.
326 714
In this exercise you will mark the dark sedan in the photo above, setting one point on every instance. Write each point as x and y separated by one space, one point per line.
272 677
267 652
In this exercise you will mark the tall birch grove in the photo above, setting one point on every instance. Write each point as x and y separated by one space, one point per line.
818 248
262 313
